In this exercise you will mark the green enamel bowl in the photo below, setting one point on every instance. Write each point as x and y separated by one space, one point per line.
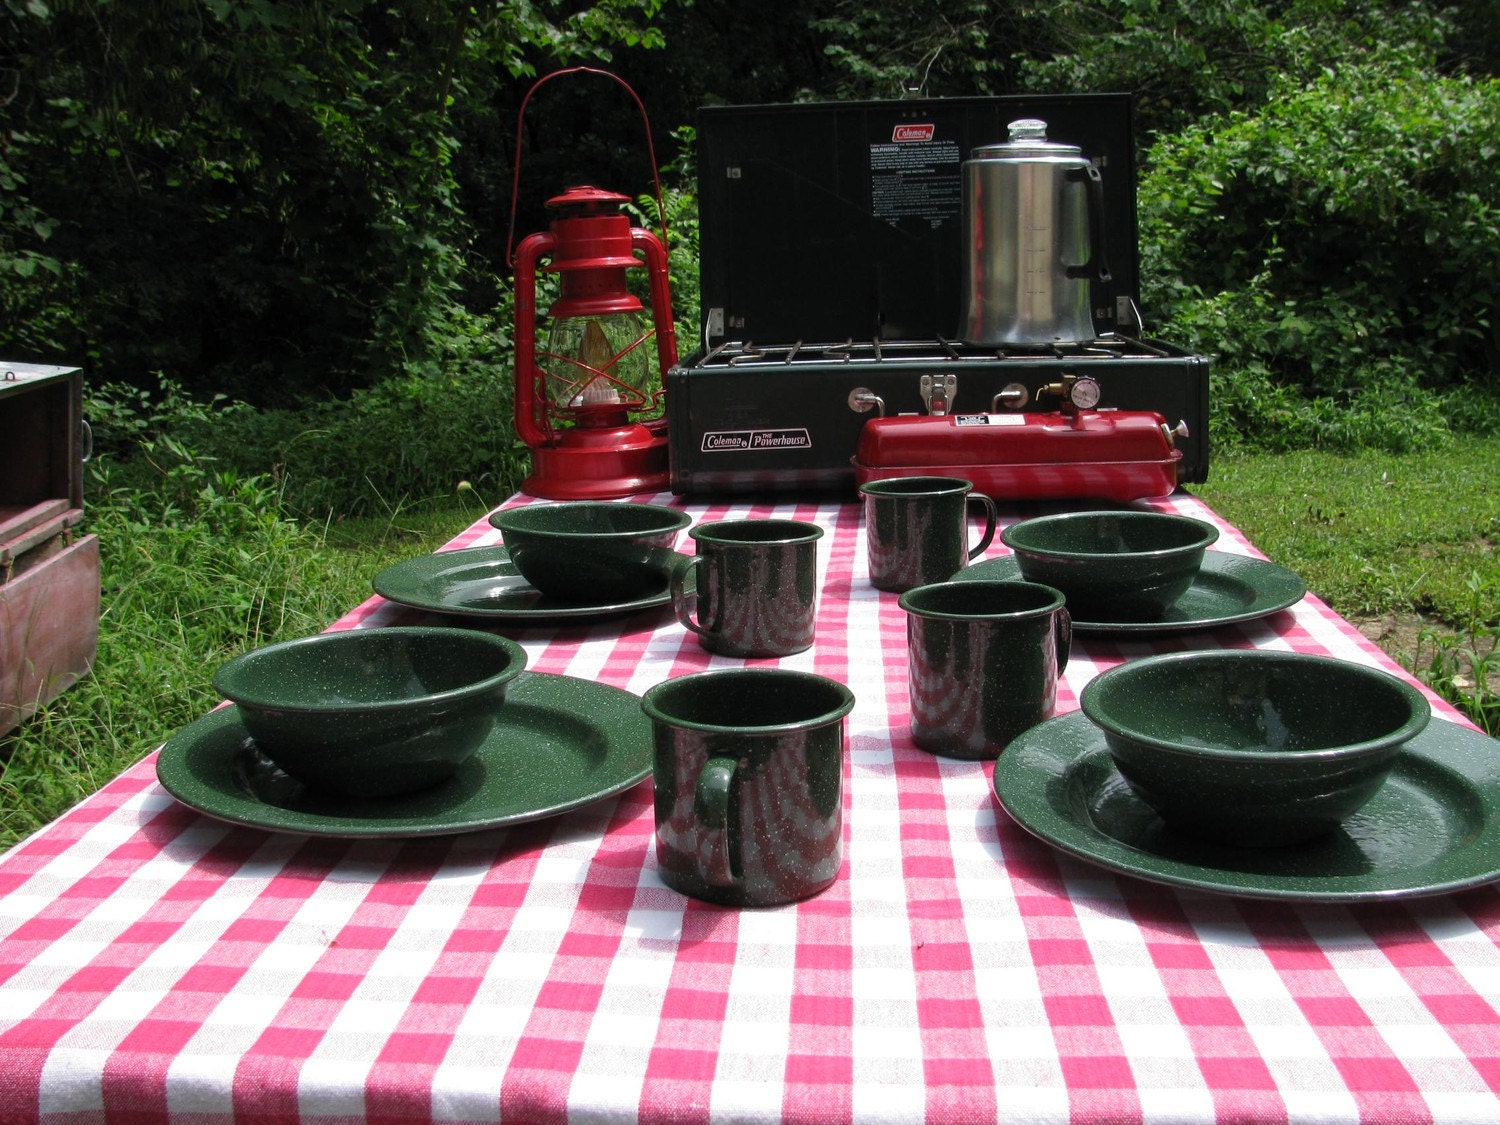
1253 748
1112 566
372 712
593 551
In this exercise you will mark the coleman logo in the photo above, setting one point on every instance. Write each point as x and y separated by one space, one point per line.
913 132
740 441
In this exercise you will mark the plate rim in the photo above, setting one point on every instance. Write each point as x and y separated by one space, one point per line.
1215 562
213 728
1443 743
551 612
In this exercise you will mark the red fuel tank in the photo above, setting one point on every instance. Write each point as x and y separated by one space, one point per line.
1088 454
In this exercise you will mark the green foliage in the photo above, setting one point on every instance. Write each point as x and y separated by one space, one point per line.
1384 536
1187 60
284 203
679 204
29 271
198 564
1375 532
1464 666
257 198
933 49
221 533
126 419
406 441
403 441
1338 251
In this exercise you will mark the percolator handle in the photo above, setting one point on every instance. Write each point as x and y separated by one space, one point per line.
1097 267
515 190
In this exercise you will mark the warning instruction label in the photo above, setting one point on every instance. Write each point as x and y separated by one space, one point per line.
916 179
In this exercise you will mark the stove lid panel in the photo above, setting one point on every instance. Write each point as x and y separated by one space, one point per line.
843 219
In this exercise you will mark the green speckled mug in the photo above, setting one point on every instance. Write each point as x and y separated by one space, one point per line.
754 589
748 772
984 662
917 529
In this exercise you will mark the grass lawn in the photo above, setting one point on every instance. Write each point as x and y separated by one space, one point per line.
1376 534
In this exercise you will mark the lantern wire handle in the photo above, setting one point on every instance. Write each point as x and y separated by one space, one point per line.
515 192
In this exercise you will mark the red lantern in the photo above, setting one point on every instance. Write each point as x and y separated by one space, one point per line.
579 388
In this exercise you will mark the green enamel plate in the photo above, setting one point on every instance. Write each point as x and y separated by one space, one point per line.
559 743
483 582
1433 828
1228 589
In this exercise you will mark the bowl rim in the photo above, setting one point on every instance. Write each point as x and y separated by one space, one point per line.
246 695
1208 535
1416 721
501 518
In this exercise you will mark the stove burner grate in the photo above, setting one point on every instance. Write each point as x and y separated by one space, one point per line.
744 353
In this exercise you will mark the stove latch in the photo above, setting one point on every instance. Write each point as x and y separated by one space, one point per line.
938 393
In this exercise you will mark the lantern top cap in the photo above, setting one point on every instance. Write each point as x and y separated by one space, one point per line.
584 199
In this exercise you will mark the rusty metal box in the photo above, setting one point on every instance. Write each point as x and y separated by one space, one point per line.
49 574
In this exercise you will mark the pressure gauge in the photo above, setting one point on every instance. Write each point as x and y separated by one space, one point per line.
1085 392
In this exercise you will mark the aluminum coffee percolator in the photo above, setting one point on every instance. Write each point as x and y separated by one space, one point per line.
1033 213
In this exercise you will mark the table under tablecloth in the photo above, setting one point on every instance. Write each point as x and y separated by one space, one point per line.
160 964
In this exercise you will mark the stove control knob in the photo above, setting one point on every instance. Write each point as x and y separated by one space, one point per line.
1014 396
1085 392
1174 432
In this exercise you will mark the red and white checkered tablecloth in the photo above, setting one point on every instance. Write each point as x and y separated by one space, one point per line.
160 965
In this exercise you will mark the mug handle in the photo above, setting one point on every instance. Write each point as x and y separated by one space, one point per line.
989 522
711 807
685 602
1062 633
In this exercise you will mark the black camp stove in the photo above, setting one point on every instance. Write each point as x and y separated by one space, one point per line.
751 418
831 259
